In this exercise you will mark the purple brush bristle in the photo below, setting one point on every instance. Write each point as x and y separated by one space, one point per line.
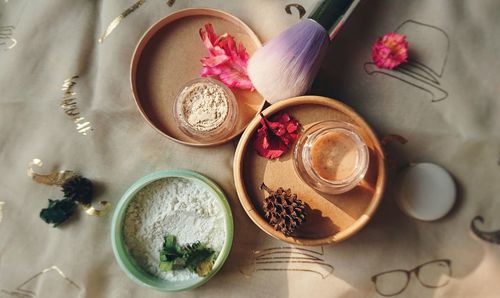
285 66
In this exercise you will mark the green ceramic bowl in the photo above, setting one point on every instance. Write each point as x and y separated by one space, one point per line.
127 262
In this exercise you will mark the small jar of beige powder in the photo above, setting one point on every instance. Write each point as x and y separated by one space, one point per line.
206 110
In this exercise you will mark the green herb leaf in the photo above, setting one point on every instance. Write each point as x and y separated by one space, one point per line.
180 263
58 211
204 267
199 258
195 257
170 248
167 265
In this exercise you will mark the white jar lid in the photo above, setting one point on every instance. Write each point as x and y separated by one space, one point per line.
426 192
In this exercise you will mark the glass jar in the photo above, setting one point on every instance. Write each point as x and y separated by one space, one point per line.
331 156
206 110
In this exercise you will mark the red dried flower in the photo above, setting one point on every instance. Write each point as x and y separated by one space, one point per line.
226 60
390 50
275 137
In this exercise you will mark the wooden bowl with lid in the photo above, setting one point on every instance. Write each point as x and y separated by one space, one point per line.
168 56
331 218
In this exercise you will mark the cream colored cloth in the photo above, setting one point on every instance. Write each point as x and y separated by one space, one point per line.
42 43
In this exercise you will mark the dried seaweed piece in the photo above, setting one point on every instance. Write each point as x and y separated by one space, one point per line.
283 210
58 211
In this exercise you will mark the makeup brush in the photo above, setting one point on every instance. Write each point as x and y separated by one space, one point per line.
286 65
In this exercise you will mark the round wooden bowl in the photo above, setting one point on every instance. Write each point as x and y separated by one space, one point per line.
168 56
332 218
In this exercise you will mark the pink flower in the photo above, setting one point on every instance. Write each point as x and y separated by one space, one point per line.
390 50
276 136
225 59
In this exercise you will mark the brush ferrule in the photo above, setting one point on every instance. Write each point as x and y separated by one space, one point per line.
331 14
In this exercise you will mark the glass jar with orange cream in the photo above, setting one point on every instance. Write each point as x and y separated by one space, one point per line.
331 157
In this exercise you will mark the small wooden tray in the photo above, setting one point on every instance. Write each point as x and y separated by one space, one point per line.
168 56
333 218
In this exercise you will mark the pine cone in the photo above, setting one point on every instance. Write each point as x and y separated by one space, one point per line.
78 188
283 210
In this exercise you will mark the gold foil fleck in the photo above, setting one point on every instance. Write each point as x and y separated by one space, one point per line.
20 292
58 178
104 208
70 107
1 210
119 18
7 42
55 178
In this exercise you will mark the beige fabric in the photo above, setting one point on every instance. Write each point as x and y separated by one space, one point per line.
57 39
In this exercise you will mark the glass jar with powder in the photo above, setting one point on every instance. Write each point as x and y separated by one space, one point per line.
206 110
331 157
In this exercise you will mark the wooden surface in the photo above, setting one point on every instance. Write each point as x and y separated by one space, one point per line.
332 218
168 56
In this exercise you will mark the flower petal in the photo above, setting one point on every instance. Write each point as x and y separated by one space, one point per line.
226 59
275 136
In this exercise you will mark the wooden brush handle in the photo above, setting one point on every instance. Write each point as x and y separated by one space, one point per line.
331 14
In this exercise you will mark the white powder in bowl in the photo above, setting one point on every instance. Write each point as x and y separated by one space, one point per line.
181 207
